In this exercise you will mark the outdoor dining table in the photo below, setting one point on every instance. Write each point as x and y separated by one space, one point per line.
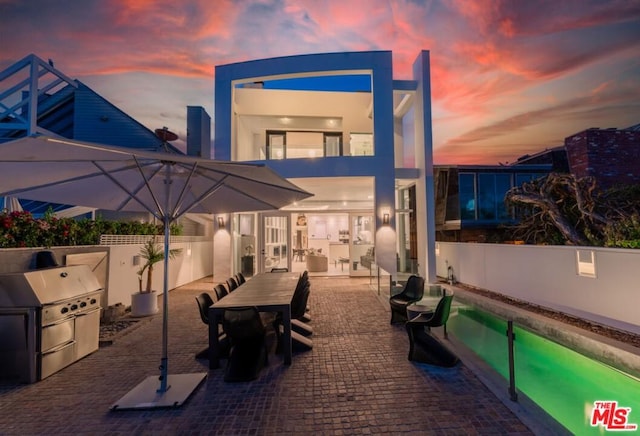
269 292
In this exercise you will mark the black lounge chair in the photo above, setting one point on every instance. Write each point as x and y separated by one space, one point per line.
423 346
412 292
204 301
247 336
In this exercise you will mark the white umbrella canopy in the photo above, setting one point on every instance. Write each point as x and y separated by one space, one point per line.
122 179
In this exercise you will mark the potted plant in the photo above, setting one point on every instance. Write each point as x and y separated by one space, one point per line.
145 301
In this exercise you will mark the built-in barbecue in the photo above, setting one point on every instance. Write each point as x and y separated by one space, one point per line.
49 318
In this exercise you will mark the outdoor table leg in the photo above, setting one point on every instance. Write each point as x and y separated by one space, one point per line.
286 335
214 343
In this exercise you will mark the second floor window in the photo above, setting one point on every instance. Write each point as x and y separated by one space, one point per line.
296 144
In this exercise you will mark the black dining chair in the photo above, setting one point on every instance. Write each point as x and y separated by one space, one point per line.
240 278
232 284
299 330
247 337
220 291
279 270
299 307
412 292
205 301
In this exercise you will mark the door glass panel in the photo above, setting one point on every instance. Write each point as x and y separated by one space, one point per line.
333 145
245 244
276 242
362 244
276 146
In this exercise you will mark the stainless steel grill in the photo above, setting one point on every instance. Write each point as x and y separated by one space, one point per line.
49 318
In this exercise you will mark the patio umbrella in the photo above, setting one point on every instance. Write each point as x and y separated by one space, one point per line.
123 179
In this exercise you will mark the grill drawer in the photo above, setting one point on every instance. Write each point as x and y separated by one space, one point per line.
58 358
54 335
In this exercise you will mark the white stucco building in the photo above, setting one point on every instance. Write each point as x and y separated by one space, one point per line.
339 126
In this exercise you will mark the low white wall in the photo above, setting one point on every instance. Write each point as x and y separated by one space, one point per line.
548 276
194 262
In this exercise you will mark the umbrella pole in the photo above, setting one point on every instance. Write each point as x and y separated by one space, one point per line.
164 361
147 395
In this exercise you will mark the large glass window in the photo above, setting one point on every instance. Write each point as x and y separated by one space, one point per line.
361 144
486 196
333 144
276 142
482 196
527 177
503 184
296 144
467 191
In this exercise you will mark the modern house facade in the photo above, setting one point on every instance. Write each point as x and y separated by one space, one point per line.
339 126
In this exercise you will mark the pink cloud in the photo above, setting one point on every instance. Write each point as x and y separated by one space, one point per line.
486 56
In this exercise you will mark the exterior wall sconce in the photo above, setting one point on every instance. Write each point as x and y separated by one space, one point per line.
221 222
385 219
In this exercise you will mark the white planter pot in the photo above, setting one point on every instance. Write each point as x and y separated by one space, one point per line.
144 304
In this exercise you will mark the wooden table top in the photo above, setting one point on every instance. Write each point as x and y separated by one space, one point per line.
264 289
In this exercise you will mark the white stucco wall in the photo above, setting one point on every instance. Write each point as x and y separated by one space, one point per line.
548 276
194 262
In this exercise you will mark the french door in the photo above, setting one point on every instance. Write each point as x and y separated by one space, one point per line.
275 236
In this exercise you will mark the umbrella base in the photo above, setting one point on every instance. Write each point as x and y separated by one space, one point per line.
146 395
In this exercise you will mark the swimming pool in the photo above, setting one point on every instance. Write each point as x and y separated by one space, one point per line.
563 382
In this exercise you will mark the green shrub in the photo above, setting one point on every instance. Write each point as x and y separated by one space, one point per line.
21 229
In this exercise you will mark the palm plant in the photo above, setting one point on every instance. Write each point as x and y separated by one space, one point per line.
152 253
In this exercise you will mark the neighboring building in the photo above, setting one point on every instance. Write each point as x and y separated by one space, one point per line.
470 203
64 107
555 157
339 126
612 156
37 98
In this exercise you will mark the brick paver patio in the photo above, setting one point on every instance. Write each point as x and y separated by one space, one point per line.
356 380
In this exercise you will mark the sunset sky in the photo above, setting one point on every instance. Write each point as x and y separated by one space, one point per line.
509 77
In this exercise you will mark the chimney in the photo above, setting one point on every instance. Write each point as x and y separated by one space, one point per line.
198 132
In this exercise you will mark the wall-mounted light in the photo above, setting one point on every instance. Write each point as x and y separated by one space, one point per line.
385 219
221 222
